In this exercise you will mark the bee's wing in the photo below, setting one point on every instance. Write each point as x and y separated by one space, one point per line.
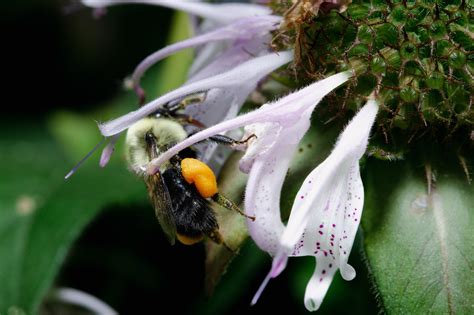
161 200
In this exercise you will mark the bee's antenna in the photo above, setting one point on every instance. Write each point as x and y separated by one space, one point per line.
74 169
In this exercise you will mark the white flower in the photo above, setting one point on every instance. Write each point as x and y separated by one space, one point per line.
326 212
325 215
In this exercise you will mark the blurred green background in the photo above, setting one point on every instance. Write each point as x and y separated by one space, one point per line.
64 69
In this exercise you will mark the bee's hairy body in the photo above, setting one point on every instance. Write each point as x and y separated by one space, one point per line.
166 132
192 213
181 210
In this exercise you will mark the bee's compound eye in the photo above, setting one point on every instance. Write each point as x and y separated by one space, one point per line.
189 240
149 137
197 172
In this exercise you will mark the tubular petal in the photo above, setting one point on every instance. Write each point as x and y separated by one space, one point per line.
250 70
285 112
221 13
245 28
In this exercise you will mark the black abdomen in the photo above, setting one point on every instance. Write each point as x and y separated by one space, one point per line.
192 213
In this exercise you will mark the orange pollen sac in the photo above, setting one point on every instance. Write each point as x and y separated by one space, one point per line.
197 172
189 240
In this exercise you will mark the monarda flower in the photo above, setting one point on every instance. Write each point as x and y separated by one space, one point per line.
327 210
325 215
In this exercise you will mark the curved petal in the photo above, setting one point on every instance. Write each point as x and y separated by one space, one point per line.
318 285
252 70
351 220
332 175
204 56
327 209
108 151
330 232
223 104
266 177
245 28
221 13
286 112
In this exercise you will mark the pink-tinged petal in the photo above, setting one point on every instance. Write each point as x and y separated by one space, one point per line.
262 194
223 104
270 156
225 58
108 151
278 265
242 29
286 112
221 13
331 227
251 70
205 55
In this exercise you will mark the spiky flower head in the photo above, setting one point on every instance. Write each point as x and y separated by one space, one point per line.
417 55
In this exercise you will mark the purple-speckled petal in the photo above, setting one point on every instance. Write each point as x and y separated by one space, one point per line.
318 284
327 209
331 176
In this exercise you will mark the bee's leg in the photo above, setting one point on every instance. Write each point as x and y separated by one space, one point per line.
228 141
216 237
186 119
170 109
229 204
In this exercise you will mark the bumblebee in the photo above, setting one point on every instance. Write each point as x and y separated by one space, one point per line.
182 190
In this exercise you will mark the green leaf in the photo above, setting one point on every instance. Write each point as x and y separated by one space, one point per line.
419 239
235 283
41 214
312 150
231 225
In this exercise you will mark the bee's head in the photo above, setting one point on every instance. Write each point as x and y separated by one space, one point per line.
146 138
151 147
